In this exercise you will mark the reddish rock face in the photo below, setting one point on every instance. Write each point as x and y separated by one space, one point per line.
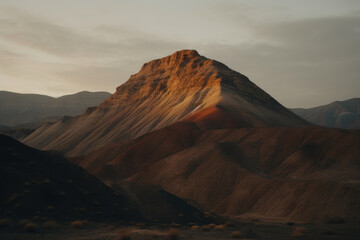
181 87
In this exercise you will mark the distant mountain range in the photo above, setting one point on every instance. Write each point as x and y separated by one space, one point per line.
339 114
34 109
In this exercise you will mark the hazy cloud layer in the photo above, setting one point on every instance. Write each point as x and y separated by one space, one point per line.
301 62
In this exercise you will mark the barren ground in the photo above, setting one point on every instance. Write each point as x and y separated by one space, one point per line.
246 230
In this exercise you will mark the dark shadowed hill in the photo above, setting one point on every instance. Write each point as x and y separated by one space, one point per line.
182 86
340 114
39 185
35 183
16 108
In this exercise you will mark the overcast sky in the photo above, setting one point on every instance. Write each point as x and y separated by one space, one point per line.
303 53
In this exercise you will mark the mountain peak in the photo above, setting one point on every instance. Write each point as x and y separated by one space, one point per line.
177 58
183 86
186 52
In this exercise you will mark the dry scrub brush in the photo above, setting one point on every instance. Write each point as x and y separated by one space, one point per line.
124 234
30 227
173 234
299 231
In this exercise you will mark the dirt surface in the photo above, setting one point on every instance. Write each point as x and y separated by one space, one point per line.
245 230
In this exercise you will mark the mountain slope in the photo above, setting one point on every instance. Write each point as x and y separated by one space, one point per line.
19 108
303 174
340 114
183 86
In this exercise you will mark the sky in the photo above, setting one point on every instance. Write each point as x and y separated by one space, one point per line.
303 53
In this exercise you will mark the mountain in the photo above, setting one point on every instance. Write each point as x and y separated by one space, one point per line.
35 183
30 109
296 174
206 134
181 87
339 114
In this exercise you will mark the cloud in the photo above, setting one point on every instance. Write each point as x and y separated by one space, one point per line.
26 30
302 62
36 50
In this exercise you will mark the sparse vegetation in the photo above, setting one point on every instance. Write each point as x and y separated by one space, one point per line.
124 234
82 210
140 225
230 224
173 234
335 220
30 227
212 225
4 222
78 224
47 181
206 228
50 225
249 233
195 227
298 232
13 198
154 234
235 234
220 227
330 232
175 225
23 222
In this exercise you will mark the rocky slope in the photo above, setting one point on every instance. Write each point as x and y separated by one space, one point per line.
183 86
295 174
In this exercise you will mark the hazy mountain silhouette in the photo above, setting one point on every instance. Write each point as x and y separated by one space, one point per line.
340 114
30 109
